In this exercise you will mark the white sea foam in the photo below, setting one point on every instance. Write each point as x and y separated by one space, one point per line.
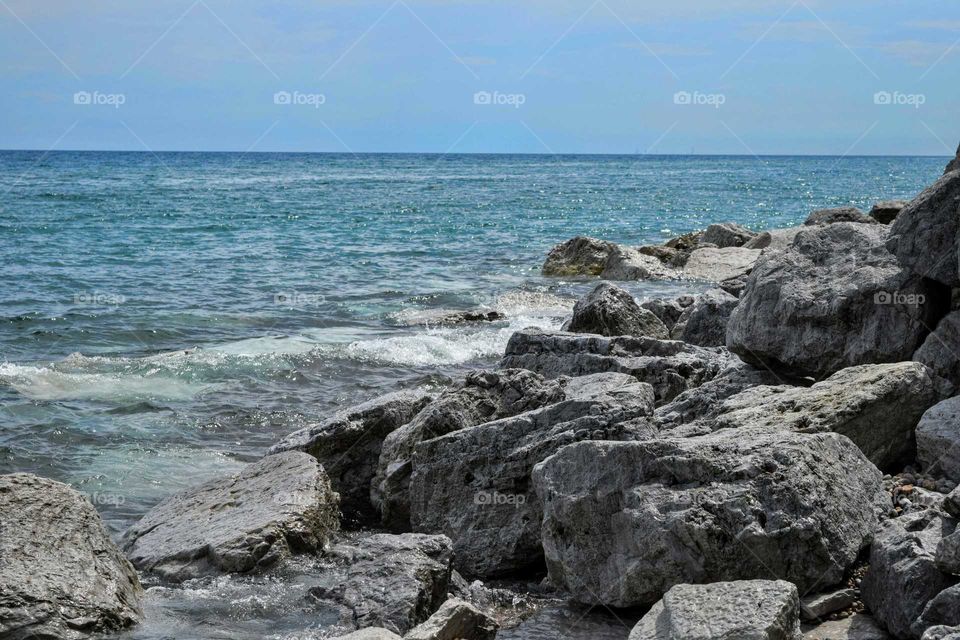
45 383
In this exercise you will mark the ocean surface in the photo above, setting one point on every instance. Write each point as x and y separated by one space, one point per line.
164 318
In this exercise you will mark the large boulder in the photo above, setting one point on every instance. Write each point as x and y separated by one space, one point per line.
942 610
716 265
745 610
886 211
348 446
608 310
60 574
627 263
481 397
938 439
270 510
394 582
704 323
836 298
579 256
839 214
876 406
623 522
474 484
456 620
668 310
924 235
941 352
727 234
903 576
954 164
669 365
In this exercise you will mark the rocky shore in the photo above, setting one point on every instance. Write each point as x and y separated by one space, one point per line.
776 458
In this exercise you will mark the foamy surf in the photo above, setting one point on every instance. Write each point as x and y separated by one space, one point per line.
45 383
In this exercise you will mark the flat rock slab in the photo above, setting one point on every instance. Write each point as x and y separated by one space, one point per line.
373 633
456 620
716 264
279 506
745 610
857 627
60 574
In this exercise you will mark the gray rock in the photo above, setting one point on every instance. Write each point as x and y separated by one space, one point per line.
60 574
717 265
903 576
876 406
948 556
483 396
727 234
348 445
735 286
836 298
669 365
839 214
625 521
704 323
951 503
938 439
579 256
819 605
774 239
856 627
474 484
886 211
745 610
941 352
626 263
382 580
668 311
941 632
943 609
456 620
924 235
670 257
608 310
686 242
954 164
372 633
270 510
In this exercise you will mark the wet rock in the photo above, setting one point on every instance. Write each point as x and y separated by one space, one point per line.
924 235
819 605
608 310
60 574
382 580
474 484
668 311
903 576
456 620
716 265
727 234
747 609
838 214
348 446
270 510
483 396
670 366
856 627
626 263
941 352
704 323
938 439
579 256
625 521
774 239
836 298
886 211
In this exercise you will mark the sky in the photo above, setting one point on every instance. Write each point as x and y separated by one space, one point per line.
755 77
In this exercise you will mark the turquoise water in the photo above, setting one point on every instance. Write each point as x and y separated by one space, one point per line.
165 318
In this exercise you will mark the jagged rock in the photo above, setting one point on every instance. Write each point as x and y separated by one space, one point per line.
727 234
735 286
856 627
941 352
669 311
836 298
924 235
579 256
746 610
941 632
673 258
483 396
774 239
948 556
456 620
273 508
942 610
938 439
886 211
717 265
951 503
348 445
838 214
474 484
876 406
686 242
903 576
626 263
704 323
382 580
669 365
372 633
60 574
625 521
608 310
954 164
820 605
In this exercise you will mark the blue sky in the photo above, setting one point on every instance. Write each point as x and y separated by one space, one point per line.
531 76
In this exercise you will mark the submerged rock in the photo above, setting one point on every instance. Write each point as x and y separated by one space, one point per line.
746 610
456 620
924 235
836 298
625 521
886 211
727 234
60 574
938 439
348 445
270 510
704 322
717 265
839 214
608 310
579 256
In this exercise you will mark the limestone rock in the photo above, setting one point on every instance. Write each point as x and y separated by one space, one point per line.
669 311
704 323
727 234
839 214
579 256
774 239
941 632
886 211
819 605
716 265
942 610
938 439
626 263
608 310
371 633
941 352
859 626
271 509
954 164
456 620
